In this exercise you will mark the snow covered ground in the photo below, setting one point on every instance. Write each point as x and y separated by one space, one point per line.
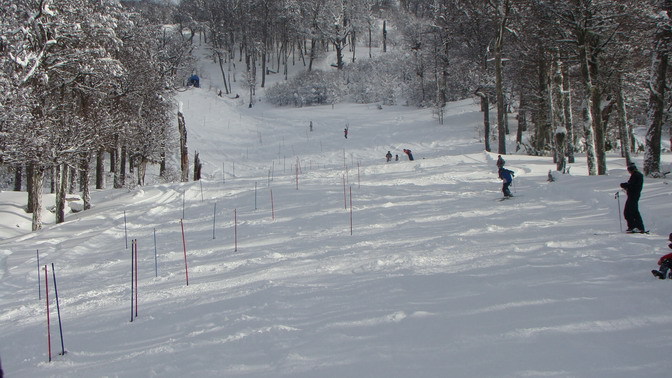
362 269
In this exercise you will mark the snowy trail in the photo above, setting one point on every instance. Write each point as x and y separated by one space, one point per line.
437 279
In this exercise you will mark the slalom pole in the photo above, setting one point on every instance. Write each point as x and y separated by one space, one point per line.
620 221
350 210
125 230
46 293
272 206
214 216
156 262
184 246
345 200
132 282
58 309
39 280
135 242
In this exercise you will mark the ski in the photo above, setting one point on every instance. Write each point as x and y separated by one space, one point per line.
637 232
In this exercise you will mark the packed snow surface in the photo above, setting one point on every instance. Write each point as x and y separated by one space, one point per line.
309 255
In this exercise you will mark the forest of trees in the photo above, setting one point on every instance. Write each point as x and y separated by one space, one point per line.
83 80
579 74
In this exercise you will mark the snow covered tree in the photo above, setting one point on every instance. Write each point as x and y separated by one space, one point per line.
657 87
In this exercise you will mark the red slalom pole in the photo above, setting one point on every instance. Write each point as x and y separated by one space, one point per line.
132 280
184 245
46 290
135 242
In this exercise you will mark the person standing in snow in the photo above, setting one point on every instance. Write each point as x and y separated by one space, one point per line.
500 161
388 156
665 263
634 189
345 133
507 176
409 153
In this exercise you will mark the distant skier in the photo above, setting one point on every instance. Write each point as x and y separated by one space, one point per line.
396 157
409 153
665 263
311 126
634 189
507 176
345 133
388 156
500 161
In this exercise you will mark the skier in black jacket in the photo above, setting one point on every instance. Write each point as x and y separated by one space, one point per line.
634 189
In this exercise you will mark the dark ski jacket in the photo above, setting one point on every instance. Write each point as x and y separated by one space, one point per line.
666 257
634 186
506 174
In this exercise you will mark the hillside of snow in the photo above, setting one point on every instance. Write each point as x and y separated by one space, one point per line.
308 255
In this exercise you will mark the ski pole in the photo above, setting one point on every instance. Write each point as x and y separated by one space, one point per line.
620 221
58 309
46 293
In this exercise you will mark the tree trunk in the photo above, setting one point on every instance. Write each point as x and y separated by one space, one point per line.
162 163
656 107
221 69
623 130
558 114
522 120
85 175
30 176
384 36
184 153
18 173
588 107
197 167
37 183
485 108
62 188
569 119
142 170
100 169
117 164
499 87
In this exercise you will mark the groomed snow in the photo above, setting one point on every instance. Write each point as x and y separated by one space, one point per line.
437 279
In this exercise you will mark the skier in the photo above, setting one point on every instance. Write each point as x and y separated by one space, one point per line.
634 189
500 161
507 176
396 157
388 156
345 133
665 263
409 153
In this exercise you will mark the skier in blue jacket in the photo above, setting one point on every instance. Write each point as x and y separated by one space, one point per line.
507 176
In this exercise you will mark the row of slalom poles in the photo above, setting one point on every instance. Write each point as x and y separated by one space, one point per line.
58 310
134 279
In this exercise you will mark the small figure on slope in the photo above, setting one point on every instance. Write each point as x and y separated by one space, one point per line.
634 189
665 263
500 161
507 176
409 153
345 133
388 156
